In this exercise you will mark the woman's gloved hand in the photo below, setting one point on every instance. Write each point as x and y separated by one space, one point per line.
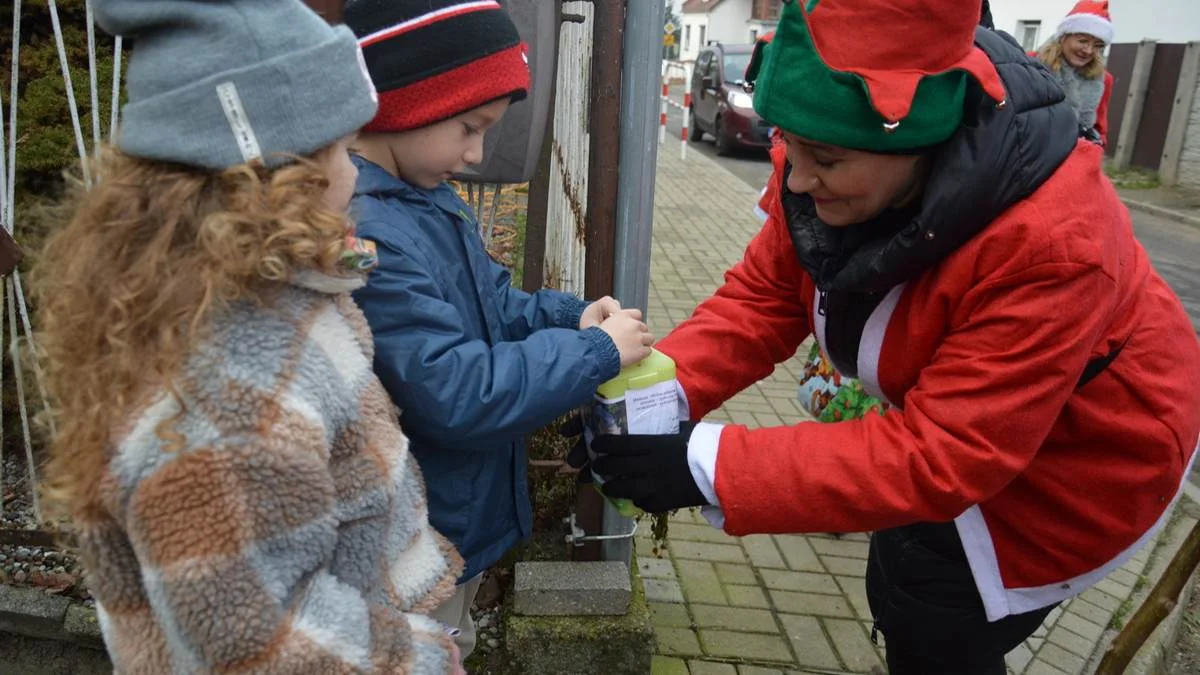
577 456
651 471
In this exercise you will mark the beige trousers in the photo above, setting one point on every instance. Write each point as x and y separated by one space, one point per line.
456 613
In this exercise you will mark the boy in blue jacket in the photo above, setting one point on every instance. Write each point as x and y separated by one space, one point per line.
472 363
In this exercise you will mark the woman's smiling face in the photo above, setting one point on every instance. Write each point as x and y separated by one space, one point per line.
850 186
1080 49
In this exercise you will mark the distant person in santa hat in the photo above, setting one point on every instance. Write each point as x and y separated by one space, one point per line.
1075 54
936 223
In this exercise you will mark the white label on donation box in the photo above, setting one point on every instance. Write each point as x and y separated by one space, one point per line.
654 410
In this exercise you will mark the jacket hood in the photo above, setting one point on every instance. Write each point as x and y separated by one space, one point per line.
999 156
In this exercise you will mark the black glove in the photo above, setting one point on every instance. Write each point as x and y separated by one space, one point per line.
577 456
651 471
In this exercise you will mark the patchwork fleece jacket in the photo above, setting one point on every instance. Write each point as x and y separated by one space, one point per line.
270 519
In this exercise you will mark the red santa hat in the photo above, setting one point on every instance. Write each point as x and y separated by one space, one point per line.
1090 17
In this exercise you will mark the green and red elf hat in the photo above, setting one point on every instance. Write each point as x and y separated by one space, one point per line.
874 75
434 59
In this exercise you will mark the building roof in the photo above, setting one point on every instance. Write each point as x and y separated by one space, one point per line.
700 6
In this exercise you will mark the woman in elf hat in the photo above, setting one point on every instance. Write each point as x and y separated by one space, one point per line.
935 221
242 495
1075 54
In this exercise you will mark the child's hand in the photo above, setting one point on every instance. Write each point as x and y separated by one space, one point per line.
595 313
456 667
629 334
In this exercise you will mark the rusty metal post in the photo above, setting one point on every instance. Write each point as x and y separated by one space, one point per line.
603 182
605 143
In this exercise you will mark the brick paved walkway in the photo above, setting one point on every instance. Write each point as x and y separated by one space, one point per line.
770 604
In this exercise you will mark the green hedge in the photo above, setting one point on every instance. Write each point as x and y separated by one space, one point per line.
46 138
46 148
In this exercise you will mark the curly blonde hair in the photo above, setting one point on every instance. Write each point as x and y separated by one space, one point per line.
125 289
1051 54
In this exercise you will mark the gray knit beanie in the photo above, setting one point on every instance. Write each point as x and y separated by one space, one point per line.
217 83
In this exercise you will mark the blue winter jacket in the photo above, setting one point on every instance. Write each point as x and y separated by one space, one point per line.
472 363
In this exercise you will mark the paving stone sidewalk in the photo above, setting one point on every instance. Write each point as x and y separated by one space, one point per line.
765 605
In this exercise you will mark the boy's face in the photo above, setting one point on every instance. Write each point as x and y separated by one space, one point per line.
428 156
340 171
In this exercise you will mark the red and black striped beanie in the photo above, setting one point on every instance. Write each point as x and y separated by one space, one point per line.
434 59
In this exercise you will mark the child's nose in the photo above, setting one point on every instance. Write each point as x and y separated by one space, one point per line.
474 154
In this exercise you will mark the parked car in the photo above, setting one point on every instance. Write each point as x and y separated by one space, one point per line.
721 106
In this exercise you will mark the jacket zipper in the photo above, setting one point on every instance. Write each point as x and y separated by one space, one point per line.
821 303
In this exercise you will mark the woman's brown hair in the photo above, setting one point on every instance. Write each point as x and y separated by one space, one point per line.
125 289
1051 54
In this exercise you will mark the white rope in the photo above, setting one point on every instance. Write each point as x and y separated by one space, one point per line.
92 76
491 222
116 91
9 183
8 170
3 171
66 71
15 354
39 378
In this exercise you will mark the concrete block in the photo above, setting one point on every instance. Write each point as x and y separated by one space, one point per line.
82 626
585 645
571 589
27 611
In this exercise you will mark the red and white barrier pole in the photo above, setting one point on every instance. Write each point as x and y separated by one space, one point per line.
687 123
662 118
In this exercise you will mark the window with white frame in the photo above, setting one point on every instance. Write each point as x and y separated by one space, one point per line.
687 36
1028 33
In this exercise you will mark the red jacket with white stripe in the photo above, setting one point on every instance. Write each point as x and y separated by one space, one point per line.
1051 485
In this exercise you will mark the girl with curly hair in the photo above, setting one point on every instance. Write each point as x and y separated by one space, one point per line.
235 475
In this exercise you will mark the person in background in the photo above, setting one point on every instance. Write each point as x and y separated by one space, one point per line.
1075 54
936 223
473 364
241 493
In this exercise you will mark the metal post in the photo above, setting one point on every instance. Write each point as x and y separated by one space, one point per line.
685 126
605 145
662 120
604 113
635 191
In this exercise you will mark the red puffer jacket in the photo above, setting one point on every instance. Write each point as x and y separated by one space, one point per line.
1051 485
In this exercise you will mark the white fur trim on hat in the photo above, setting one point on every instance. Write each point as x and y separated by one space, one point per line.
1090 24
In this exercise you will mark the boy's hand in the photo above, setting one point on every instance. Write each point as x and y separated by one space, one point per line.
595 313
629 334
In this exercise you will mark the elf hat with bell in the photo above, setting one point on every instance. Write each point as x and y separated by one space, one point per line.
1090 17
874 75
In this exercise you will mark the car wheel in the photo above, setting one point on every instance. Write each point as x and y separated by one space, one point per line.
695 133
724 146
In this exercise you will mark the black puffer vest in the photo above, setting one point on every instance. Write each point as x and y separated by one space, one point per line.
999 156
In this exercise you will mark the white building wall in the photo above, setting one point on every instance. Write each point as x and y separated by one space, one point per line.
1135 20
730 22
692 24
